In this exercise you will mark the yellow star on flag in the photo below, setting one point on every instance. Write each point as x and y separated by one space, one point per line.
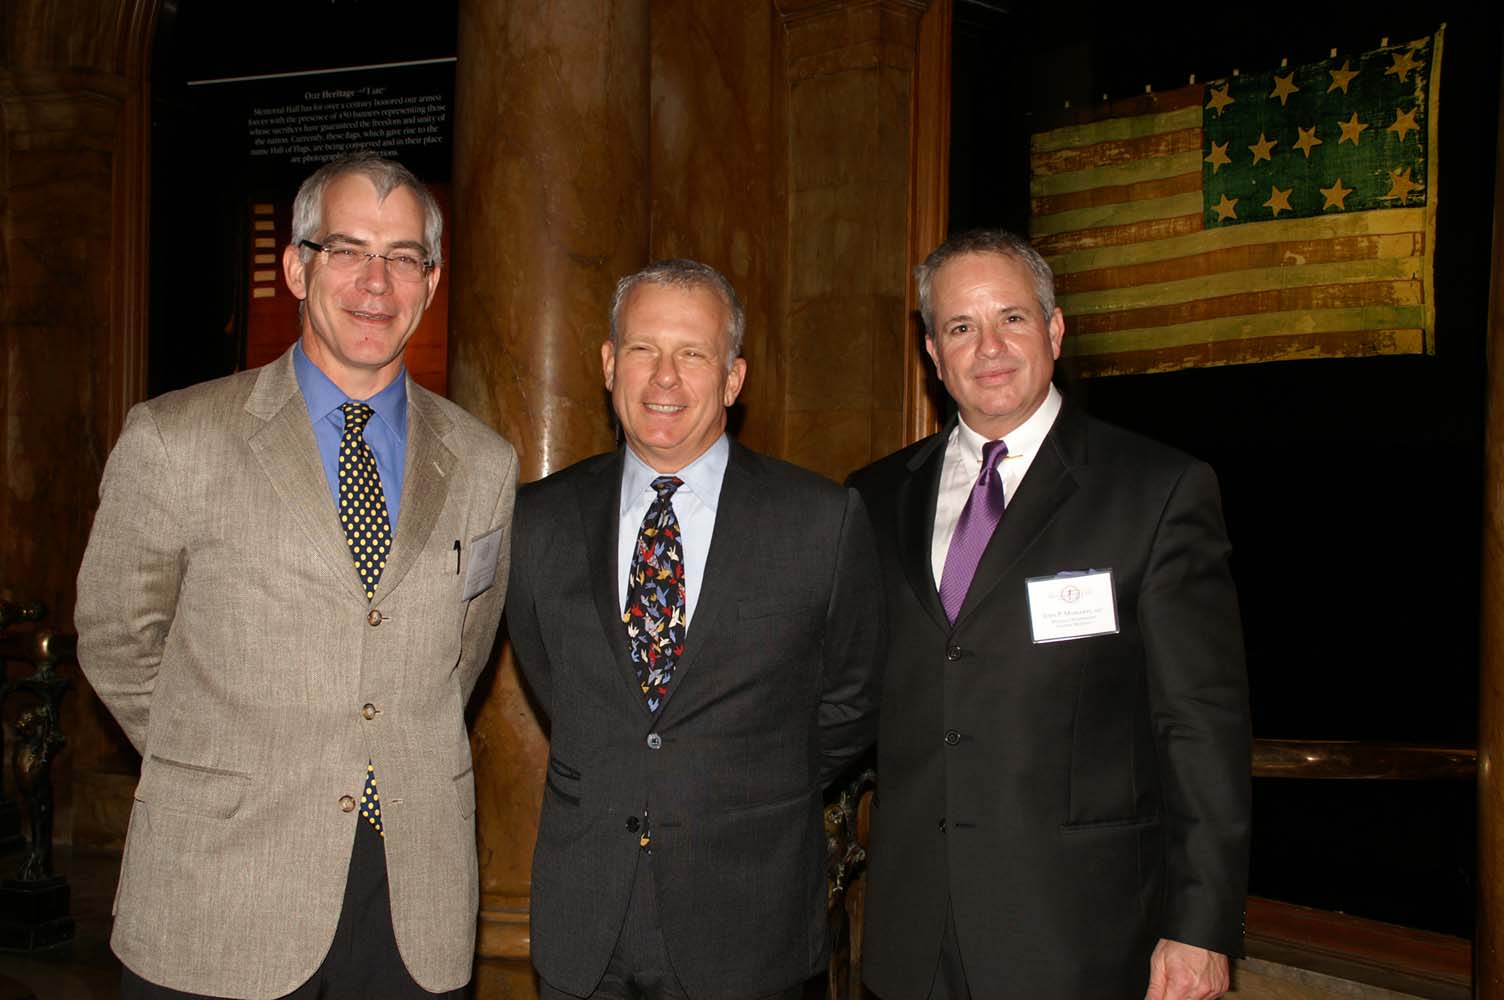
1404 123
1335 195
1307 140
1404 62
1218 156
1402 185
1351 129
1260 149
1342 77
1279 201
1226 208
1284 86
1220 99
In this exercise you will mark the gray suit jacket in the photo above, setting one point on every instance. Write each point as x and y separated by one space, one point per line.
221 620
775 691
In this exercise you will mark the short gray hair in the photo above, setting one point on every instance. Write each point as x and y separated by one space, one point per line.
385 176
979 241
684 274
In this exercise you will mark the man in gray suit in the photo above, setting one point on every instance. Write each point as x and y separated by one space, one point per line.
294 578
701 625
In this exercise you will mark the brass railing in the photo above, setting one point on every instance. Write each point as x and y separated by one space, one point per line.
1358 760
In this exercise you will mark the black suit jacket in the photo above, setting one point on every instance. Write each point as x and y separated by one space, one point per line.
1095 794
775 692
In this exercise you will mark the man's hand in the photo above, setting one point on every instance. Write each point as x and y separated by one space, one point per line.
1184 972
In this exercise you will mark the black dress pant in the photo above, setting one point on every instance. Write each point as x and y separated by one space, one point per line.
362 964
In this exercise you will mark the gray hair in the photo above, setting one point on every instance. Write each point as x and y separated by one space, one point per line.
978 241
684 274
386 176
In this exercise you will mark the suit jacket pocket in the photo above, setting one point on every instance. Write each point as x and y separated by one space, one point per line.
1111 825
178 786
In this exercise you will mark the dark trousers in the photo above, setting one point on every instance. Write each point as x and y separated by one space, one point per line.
640 968
362 963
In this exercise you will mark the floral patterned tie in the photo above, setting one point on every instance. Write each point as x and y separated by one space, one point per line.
655 613
368 532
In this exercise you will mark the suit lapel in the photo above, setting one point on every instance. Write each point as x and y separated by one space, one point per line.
426 471
917 497
600 511
1051 479
289 457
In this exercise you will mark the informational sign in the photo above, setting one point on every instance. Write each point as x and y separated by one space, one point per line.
289 125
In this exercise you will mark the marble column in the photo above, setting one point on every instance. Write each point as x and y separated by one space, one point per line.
1488 944
73 195
719 181
850 68
550 207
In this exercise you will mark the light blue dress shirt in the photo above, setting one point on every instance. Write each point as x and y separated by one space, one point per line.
694 505
386 431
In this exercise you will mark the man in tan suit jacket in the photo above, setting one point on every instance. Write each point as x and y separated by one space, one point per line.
262 671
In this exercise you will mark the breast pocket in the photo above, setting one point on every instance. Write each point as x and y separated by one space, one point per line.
478 560
779 632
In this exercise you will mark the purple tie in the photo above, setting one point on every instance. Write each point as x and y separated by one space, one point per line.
984 508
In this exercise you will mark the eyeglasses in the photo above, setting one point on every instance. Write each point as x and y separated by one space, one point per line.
401 265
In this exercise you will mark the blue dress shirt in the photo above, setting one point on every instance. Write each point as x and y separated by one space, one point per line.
386 431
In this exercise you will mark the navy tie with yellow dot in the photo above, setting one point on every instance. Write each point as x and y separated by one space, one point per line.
368 532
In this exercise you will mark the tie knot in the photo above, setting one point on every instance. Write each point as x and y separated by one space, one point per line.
356 415
665 486
993 453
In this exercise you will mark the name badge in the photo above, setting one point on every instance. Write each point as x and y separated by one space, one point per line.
1072 605
481 571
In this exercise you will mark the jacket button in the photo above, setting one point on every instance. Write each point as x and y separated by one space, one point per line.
952 737
952 653
374 618
347 803
368 711
632 824
655 742
942 824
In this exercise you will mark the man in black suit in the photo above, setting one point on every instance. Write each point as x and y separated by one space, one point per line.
1064 757
701 626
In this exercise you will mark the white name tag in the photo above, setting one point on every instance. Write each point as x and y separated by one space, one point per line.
480 572
1072 605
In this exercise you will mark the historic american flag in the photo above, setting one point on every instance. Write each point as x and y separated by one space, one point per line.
1283 215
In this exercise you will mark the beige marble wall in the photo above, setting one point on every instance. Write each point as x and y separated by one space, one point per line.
849 71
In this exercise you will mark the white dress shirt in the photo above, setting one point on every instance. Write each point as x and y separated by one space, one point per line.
963 463
694 505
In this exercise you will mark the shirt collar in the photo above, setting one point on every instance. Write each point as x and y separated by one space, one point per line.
702 477
325 398
1024 439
